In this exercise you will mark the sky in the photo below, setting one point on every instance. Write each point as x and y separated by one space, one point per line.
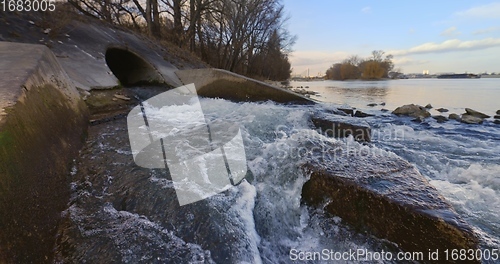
439 36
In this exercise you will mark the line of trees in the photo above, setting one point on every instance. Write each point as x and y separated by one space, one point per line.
243 36
375 67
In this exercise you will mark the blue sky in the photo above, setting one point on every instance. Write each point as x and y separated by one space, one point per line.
439 36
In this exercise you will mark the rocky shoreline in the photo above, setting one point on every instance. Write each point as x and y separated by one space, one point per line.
420 113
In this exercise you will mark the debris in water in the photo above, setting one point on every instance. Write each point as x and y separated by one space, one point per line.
122 97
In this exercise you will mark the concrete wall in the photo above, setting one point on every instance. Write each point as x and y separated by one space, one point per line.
219 83
43 123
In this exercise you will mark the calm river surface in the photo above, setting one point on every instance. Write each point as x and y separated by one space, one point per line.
453 94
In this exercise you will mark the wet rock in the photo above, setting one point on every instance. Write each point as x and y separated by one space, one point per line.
384 110
386 196
454 116
428 106
348 111
476 113
418 119
497 117
372 104
383 103
304 92
442 110
340 127
498 112
412 110
470 119
362 114
497 121
335 111
440 119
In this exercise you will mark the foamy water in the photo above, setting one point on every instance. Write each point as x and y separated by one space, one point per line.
264 216
461 161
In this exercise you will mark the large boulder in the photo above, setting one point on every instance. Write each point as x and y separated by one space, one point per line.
470 119
384 195
476 113
412 110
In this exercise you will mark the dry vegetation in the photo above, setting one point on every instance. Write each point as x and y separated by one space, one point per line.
243 36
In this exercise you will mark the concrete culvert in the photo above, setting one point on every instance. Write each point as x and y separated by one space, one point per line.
131 69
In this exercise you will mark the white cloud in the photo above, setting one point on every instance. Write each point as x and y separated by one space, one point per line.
450 32
486 30
406 61
484 11
449 45
366 10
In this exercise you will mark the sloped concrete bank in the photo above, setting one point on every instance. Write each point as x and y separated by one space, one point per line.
43 123
219 83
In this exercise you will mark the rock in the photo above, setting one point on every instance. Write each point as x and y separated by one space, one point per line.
304 92
347 111
442 110
454 116
383 103
476 113
340 127
440 119
497 122
47 31
362 114
428 106
334 111
498 112
418 119
497 117
122 97
412 110
386 196
470 119
372 104
384 110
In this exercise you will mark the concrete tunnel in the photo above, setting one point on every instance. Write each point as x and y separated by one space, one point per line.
130 69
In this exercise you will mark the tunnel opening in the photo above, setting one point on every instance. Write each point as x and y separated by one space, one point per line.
130 69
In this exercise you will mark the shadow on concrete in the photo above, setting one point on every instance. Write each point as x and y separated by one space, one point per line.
131 69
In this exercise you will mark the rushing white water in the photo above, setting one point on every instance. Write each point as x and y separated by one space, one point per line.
461 161
262 220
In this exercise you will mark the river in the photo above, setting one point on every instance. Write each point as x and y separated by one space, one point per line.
453 94
120 212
